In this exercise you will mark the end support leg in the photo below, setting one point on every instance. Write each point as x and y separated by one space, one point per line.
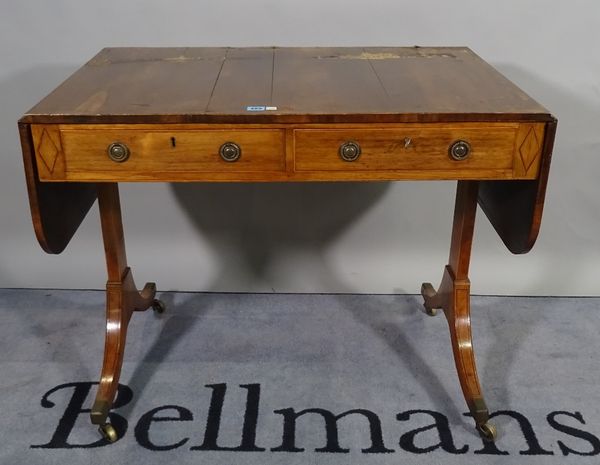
453 296
122 299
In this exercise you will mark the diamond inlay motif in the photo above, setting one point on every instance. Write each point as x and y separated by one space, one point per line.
48 151
529 149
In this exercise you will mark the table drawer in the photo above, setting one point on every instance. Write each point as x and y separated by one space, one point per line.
153 153
413 147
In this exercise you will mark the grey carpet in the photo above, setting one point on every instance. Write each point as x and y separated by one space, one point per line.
377 356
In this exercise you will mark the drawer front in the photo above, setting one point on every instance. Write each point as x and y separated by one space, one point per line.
287 153
152 153
414 148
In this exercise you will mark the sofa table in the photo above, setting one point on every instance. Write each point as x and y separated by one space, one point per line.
287 114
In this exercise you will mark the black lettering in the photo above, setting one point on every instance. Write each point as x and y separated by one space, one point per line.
288 443
534 447
441 424
575 432
75 408
213 422
142 429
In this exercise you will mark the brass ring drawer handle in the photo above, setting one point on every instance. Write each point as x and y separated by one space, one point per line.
350 151
118 152
230 152
459 150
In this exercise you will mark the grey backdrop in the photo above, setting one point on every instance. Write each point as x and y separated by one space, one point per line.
385 237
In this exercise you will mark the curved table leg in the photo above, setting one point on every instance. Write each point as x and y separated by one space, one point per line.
453 296
122 299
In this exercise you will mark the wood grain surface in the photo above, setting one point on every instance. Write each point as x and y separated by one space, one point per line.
318 98
411 147
390 84
190 152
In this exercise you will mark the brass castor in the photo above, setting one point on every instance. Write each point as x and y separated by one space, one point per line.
487 431
428 292
158 306
108 432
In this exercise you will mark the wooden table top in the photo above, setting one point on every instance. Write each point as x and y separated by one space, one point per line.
291 110
286 85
